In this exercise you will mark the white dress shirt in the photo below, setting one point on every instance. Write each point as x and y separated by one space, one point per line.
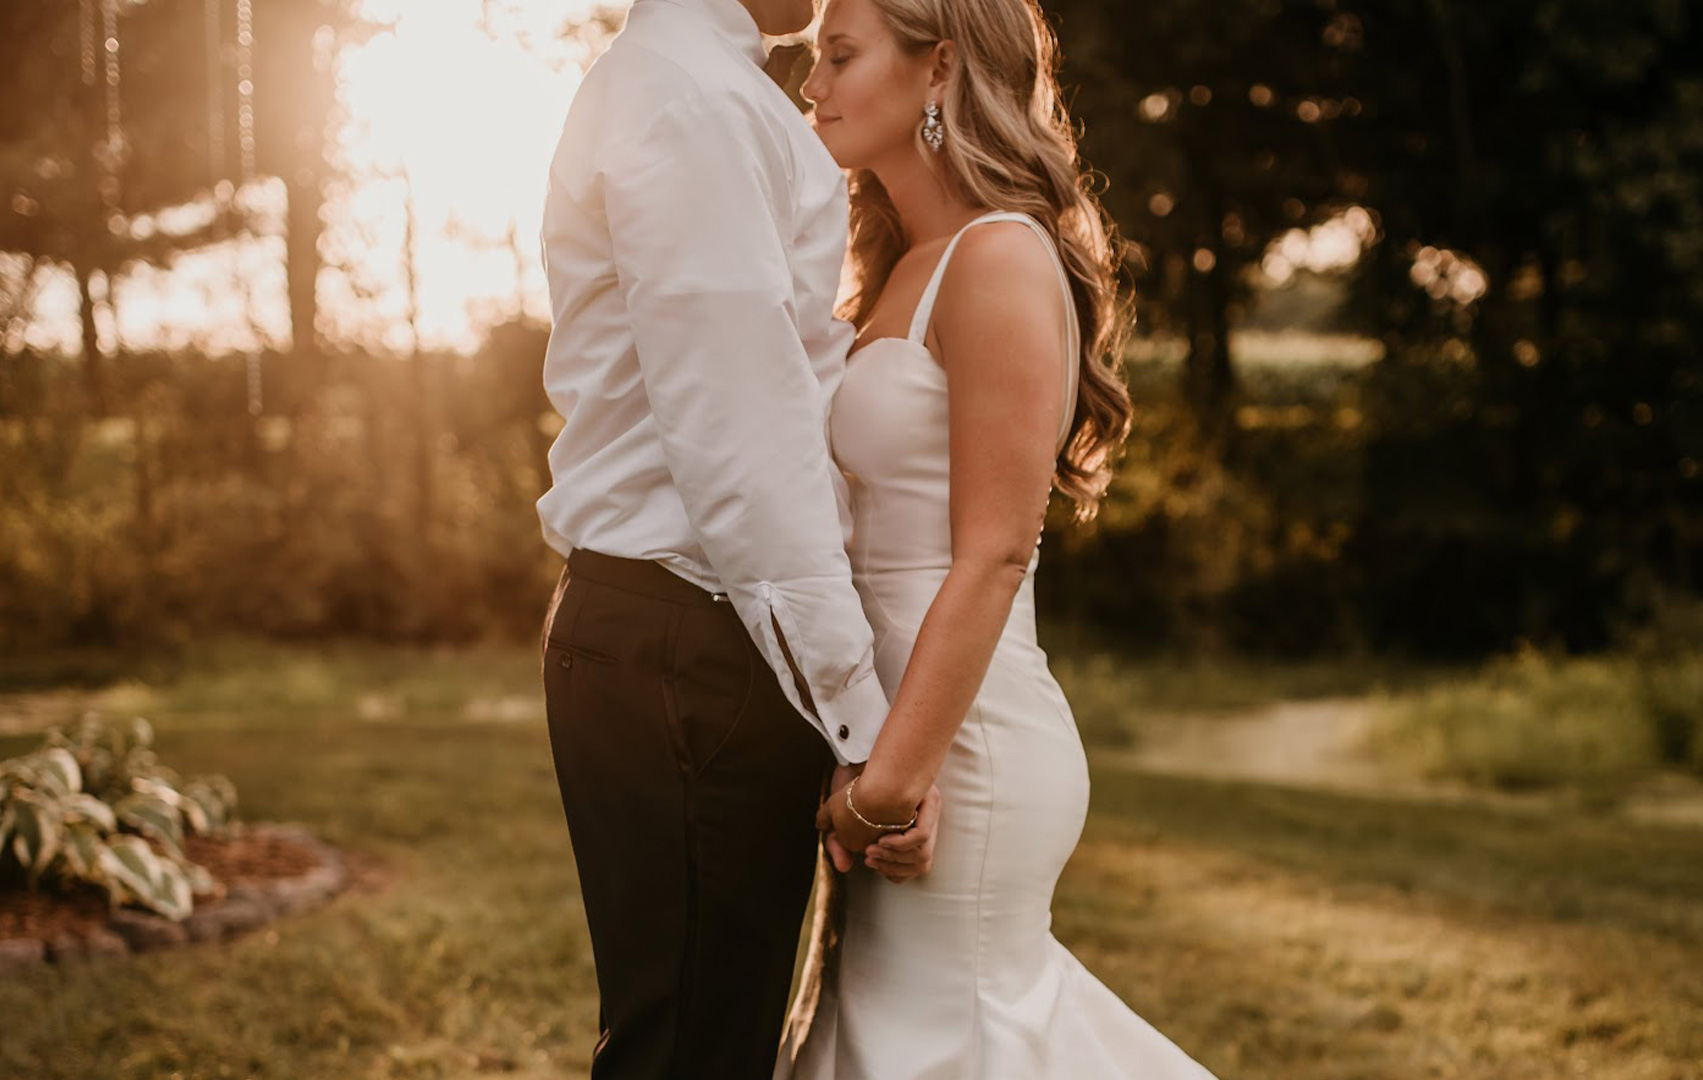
694 235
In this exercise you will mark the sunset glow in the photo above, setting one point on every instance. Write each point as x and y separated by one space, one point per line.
456 105
459 104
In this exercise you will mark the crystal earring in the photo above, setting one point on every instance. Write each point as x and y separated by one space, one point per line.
933 131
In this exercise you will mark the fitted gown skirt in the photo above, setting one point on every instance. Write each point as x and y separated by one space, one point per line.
957 976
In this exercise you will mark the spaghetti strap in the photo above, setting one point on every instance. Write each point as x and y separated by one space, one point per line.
1073 333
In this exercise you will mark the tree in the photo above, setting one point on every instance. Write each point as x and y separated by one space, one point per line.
1215 125
1535 468
76 195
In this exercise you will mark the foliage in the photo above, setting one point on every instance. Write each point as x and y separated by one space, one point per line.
1189 111
84 807
1531 719
1523 460
186 516
1530 463
77 200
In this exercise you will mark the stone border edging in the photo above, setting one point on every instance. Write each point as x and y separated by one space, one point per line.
245 905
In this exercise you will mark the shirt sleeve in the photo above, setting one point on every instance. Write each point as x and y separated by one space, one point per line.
698 209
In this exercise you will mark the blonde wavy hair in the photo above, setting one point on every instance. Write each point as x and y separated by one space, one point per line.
1011 146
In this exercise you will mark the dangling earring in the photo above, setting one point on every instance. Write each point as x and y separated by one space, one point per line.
933 131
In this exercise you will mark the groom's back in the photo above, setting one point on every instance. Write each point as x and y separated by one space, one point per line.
701 59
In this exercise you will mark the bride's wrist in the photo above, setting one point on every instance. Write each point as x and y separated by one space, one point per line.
889 799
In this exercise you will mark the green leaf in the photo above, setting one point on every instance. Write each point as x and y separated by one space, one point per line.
99 767
171 894
203 795
37 834
227 793
128 861
85 807
150 880
140 731
83 846
159 789
152 815
63 768
195 816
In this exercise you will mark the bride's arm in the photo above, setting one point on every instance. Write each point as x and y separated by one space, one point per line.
999 324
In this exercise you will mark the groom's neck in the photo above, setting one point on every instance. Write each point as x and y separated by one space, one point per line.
777 18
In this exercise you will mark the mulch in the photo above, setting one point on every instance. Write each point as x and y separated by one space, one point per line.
245 856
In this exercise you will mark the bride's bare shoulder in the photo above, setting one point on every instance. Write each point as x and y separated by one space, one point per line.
1001 280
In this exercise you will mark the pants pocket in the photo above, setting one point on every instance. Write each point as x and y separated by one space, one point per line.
710 684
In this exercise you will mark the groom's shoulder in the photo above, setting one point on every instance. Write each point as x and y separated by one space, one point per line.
657 61
660 80
637 94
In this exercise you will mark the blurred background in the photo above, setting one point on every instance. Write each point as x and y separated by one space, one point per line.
1412 509
1418 288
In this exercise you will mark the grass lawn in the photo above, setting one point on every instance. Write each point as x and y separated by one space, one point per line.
1273 932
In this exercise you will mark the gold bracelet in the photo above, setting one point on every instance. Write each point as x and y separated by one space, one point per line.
871 824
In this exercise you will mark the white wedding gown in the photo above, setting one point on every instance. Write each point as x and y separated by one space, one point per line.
956 976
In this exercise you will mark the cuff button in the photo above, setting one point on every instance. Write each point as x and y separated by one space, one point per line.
845 732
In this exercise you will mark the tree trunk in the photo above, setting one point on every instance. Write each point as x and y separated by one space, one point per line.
94 381
1209 379
302 259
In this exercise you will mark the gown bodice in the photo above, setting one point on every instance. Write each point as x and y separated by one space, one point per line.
889 434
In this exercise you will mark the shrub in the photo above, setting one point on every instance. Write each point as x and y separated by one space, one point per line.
83 808
1532 720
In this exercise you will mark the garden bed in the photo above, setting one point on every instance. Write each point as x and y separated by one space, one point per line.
264 871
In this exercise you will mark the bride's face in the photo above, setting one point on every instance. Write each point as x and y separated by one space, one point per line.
869 93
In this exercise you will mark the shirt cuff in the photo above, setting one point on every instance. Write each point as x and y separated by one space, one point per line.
851 719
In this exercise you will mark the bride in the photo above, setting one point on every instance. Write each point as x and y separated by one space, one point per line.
981 378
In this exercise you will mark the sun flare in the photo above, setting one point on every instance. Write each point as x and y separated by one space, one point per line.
454 109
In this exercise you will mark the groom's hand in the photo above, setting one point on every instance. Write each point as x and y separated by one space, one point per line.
837 853
843 827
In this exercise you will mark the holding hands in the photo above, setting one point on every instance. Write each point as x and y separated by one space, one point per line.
894 841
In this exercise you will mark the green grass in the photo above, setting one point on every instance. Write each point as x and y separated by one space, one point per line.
1277 934
1529 720
1110 692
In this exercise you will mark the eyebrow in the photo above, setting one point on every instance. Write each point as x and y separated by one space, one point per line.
839 36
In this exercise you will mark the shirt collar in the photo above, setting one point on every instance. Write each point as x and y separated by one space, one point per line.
731 21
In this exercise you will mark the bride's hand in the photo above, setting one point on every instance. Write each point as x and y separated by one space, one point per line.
899 857
909 854
844 828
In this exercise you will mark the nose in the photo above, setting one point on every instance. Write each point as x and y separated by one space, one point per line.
813 91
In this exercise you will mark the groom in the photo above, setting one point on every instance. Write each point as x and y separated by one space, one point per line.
706 657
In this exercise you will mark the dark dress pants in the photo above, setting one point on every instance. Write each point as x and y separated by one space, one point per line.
690 785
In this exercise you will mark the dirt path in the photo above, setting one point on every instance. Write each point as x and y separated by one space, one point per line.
1314 743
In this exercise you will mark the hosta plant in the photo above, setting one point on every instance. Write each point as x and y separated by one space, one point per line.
83 807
